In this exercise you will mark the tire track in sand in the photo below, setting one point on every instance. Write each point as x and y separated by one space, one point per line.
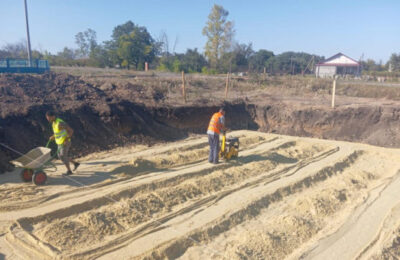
223 215
195 206
283 146
144 165
362 229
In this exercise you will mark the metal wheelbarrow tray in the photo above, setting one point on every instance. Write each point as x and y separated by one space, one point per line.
33 164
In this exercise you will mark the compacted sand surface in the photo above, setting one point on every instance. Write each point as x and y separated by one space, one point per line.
284 197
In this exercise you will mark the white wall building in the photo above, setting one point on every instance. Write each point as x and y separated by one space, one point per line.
338 64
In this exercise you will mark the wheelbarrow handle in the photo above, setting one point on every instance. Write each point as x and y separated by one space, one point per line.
47 145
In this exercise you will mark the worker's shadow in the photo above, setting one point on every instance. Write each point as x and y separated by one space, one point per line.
274 157
2 257
105 163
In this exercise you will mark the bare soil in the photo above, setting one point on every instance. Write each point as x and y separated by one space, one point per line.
145 190
110 109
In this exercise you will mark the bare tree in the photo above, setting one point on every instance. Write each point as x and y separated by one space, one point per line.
164 43
86 41
16 50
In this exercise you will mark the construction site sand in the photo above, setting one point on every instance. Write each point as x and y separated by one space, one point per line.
284 197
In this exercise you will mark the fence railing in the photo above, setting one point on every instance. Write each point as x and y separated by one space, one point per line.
23 66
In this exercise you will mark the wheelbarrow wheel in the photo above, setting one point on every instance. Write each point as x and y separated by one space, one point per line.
26 175
39 178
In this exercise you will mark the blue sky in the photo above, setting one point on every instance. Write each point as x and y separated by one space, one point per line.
322 27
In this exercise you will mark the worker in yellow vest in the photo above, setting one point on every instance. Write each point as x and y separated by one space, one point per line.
215 127
62 136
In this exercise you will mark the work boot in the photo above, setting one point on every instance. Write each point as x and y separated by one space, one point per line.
76 165
68 173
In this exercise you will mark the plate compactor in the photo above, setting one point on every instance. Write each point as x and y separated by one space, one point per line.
229 147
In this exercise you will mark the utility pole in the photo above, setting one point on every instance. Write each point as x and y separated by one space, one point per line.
27 35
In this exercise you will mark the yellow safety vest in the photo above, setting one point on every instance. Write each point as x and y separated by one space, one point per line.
60 135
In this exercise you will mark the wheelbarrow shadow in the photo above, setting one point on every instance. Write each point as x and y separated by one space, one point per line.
87 177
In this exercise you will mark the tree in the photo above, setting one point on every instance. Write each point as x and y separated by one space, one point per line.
238 58
371 65
164 44
166 54
258 60
37 54
3 54
290 62
99 57
15 50
394 62
111 48
112 45
131 45
67 54
177 65
86 42
136 48
122 29
193 61
220 34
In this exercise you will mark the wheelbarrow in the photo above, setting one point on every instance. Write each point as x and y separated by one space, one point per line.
34 163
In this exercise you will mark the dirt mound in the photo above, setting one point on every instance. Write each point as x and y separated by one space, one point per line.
103 115
24 99
133 92
106 114
20 92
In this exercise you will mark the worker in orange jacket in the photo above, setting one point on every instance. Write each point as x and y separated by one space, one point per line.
215 127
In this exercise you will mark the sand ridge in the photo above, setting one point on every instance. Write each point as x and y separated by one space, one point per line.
284 197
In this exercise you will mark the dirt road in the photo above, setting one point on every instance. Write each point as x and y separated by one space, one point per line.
285 197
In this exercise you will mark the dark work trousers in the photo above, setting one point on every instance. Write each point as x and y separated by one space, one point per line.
213 140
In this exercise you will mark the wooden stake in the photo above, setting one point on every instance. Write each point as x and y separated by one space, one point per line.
265 73
333 91
226 85
183 86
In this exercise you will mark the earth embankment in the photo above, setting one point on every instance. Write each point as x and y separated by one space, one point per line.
106 115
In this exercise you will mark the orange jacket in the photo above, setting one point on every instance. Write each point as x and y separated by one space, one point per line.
215 125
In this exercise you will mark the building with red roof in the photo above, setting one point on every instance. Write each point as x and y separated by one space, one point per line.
338 64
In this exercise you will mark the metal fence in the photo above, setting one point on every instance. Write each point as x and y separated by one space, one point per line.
23 66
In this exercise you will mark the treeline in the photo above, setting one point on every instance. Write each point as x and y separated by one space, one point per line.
131 46
380 69
119 53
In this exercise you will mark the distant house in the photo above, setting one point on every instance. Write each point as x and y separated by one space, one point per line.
338 64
